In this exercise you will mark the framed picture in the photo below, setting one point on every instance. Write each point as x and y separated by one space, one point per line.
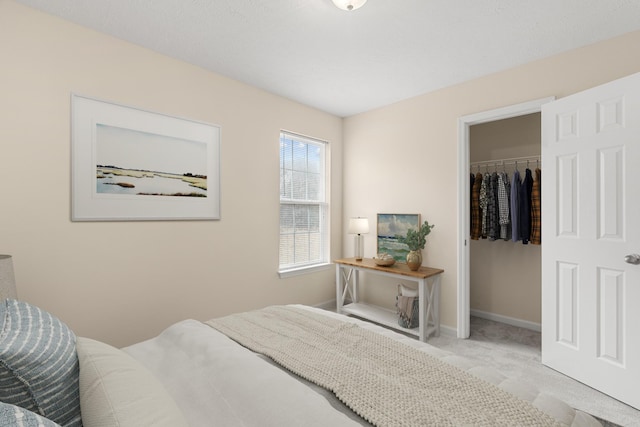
130 165
390 226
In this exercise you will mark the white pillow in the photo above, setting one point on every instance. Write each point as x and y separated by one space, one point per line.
116 390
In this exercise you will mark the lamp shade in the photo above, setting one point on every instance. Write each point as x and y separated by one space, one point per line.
7 279
358 226
349 4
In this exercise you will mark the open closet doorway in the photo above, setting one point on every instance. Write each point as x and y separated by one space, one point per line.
464 191
505 272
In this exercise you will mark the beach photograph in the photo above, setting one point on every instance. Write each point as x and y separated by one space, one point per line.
140 164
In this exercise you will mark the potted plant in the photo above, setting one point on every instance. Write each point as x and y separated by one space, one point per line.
415 240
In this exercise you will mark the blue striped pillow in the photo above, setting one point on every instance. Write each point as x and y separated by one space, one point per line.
11 415
38 363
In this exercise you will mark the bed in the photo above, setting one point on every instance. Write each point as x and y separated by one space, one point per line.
286 365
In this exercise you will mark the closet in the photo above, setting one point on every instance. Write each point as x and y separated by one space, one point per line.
505 276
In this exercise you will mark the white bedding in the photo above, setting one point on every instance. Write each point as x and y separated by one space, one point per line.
215 381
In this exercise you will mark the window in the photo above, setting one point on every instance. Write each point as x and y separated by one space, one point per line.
304 234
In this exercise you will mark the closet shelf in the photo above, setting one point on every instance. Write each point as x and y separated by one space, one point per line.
510 161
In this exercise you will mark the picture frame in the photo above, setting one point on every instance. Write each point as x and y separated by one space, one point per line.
389 225
130 164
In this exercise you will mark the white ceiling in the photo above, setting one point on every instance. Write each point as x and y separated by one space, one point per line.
349 62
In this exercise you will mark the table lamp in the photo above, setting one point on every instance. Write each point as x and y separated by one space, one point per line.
358 226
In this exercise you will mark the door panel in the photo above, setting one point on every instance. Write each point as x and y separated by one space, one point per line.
591 211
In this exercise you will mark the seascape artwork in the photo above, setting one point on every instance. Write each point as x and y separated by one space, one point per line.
392 225
141 164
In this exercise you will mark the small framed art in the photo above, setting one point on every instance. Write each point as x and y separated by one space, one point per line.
391 225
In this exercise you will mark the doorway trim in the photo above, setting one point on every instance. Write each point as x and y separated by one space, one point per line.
464 192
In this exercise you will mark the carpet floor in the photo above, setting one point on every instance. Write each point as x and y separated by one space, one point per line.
516 353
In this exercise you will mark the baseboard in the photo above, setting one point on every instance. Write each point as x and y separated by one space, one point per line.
327 305
448 331
453 332
508 320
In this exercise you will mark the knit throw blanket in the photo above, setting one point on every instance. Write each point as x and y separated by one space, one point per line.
384 381
407 311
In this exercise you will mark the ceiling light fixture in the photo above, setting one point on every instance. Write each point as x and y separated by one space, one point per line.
349 4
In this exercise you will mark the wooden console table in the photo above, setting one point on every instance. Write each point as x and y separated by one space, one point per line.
428 279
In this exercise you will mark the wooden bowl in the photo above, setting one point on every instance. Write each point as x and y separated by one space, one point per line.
384 262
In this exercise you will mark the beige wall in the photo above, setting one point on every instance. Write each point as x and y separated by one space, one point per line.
403 157
505 277
126 281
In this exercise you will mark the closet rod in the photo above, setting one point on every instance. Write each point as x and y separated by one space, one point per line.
510 161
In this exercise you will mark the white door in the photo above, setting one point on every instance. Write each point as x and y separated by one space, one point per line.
591 221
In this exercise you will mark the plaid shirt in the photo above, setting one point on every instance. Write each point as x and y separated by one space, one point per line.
476 211
535 210
503 205
483 207
493 220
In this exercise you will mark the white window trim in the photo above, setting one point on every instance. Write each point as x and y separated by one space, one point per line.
321 266
298 271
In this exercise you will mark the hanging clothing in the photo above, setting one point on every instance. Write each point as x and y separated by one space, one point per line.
472 180
525 207
476 211
493 220
483 207
516 184
536 218
506 209
503 205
